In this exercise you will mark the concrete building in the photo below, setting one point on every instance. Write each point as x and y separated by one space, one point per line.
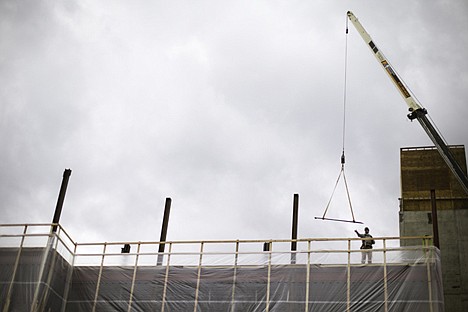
423 170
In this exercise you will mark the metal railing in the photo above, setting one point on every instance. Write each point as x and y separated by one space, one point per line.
233 254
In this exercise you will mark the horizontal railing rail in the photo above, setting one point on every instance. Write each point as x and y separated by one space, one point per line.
92 253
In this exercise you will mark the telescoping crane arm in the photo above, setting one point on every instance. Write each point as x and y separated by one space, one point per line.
417 111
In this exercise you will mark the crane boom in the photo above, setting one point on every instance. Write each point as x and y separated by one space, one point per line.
417 111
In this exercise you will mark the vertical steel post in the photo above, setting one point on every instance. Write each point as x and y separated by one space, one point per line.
36 302
294 228
385 276
15 269
167 210
307 278
98 285
166 278
197 290
348 279
267 308
132 288
429 263
61 198
50 273
435 225
69 280
234 279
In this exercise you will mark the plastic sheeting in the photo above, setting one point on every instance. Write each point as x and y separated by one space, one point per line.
40 276
413 283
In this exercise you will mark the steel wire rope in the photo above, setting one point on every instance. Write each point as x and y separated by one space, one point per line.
342 172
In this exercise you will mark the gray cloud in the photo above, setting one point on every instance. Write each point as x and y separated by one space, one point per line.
227 108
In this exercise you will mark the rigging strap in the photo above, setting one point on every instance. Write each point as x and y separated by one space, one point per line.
342 173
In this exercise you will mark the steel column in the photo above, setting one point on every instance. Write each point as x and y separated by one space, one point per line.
61 198
435 224
167 211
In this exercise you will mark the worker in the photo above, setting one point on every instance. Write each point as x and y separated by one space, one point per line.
366 247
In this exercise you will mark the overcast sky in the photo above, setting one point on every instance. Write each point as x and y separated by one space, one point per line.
227 107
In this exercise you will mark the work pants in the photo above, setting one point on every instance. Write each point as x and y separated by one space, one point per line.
366 253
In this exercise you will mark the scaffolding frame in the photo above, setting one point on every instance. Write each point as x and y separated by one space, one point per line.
61 240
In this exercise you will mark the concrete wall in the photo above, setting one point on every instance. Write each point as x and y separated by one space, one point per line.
453 237
423 169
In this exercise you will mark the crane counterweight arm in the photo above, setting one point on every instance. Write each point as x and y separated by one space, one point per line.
417 111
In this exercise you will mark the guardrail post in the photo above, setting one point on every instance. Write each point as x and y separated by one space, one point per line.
307 278
269 279
36 302
348 279
15 268
197 290
132 288
234 278
98 285
69 280
166 278
385 275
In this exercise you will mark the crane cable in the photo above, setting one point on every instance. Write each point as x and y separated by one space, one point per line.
342 171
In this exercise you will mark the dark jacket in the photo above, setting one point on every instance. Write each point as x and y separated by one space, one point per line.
366 244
